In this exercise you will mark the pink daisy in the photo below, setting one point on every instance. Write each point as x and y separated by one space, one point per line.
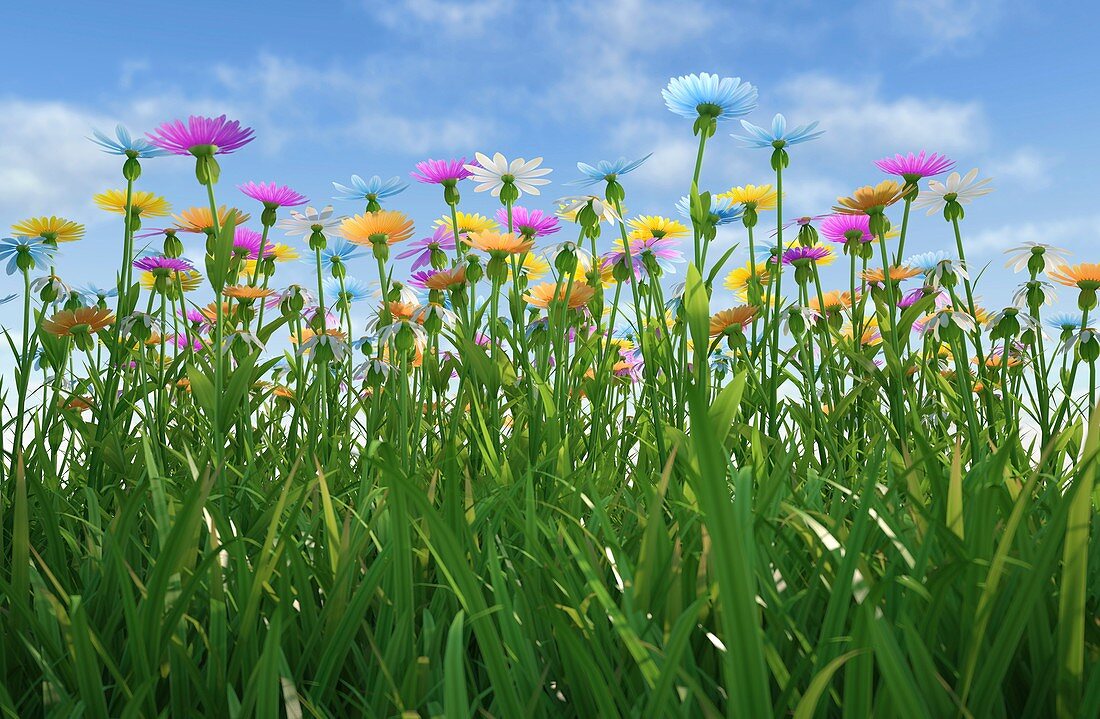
914 167
273 195
529 223
437 172
216 135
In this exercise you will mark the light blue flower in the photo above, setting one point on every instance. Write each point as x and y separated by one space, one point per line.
338 251
705 95
606 170
779 135
723 211
372 189
927 261
94 295
1065 321
353 291
36 248
125 144
7 299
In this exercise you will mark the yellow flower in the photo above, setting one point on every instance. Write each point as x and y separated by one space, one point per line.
468 222
739 278
734 317
866 198
541 295
835 301
143 202
189 280
55 229
534 266
388 226
646 226
758 197
199 219
497 243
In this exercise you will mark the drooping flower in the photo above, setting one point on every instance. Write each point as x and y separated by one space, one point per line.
386 227
732 319
655 226
273 196
1020 255
371 190
519 175
709 96
958 189
158 264
778 136
302 224
142 202
437 172
423 249
846 228
126 145
199 219
25 253
545 293
496 243
606 170
468 222
913 168
941 320
52 229
529 223
247 244
201 135
868 199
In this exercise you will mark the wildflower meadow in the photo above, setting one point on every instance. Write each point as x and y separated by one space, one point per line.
525 461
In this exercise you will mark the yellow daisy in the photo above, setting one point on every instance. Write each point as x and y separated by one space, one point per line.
468 222
646 226
199 219
384 226
739 278
541 295
189 280
143 202
52 229
758 197
534 266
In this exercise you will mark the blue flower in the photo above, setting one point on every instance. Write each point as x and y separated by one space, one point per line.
372 189
39 251
93 295
927 261
606 170
705 95
779 136
1065 321
7 299
126 145
722 209
354 290
338 251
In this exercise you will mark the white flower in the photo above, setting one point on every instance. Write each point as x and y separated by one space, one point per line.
1049 295
964 190
1079 338
492 174
424 312
302 223
390 332
1018 256
337 346
568 207
943 319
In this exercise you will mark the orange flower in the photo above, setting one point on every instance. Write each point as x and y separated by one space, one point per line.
199 219
447 279
875 275
246 292
497 243
384 226
835 300
81 320
733 318
542 294
1084 275
868 198
210 312
284 392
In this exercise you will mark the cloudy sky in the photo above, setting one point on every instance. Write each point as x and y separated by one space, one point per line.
369 88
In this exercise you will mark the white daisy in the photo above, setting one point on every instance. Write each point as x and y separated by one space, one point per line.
962 189
1018 256
302 223
493 174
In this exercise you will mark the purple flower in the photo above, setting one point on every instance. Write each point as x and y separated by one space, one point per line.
529 223
247 241
273 195
194 316
152 263
911 298
181 342
914 167
662 250
842 228
215 135
812 253
420 278
422 249
436 172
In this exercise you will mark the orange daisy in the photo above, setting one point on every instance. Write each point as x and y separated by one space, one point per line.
735 318
875 275
496 243
384 226
81 320
867 198
542 294
199 219
1084 275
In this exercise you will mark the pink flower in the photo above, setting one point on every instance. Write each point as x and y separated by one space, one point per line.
530 223
273 195
156 262
436 172
914 167
842 228
216 133
247 241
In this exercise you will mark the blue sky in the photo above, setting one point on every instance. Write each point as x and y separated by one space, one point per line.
371 87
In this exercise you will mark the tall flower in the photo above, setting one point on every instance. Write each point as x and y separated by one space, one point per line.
79 324
779 135
52 229
160 264
25 253
949 197
440 172
1023 255
498 244
247 244
723 210
199 219
126 145
273 196
430 250
759 197
304 224
845 229
529 223
868 200
378 229
739 279
708 98
371 190
468 222
203 137
508 180
814 254
607 170
644 226
546 293
733 320
913 168
337 253
142 202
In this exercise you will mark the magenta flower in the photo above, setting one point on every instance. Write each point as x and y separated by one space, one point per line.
247 242
812 253
914 167
152 263
181 342
661 250
193 316
436 172
420 278
272 195
843 228
911 298
422 249
201 136
529 223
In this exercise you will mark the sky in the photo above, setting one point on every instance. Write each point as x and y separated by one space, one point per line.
369 88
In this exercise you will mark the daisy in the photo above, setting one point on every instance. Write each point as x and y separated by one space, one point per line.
958 190
247 293
529 223
739 278
875 275
304 224
427 247
247 244
201 135
723 210
758 197
468 222
1065 321
1020 255
498 244
571 207
161 266
868 199
371 190
779 135
199 219
352 290
52 229
709 97
606 170
945 319
913 168
518 176
378 229
142 202
1039 291
25 253
832 302
273 196
126 145
646 226
843 229
186 280
735 319
79 324
93 295
1084 275
815 254
440 172
545 293
533 267
337 254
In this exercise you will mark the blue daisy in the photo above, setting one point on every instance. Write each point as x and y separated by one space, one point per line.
722 209
338 251
1065 321
779 135
39 251
705 95
94 295
373 189
927 261
606 170
125 144
353 290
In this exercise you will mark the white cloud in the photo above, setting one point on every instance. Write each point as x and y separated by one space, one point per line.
938 25
458 16
1070 233
1026 166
